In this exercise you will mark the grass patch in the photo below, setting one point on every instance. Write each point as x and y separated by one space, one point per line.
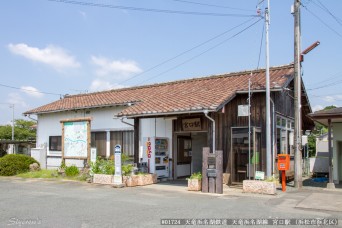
51 174
44 173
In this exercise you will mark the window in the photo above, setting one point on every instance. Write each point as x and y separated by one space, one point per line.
55 143
184 150
98 140
125 139
284 135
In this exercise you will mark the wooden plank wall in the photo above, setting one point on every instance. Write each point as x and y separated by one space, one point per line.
228 118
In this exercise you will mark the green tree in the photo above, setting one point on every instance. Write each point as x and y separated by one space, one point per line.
23 130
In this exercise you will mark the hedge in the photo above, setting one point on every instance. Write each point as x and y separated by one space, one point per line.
13 164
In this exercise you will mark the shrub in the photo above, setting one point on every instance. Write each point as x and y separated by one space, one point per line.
63 166
127 169
13 164
102 166
197 175
71 171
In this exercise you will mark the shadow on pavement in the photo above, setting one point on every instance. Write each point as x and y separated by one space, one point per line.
319 182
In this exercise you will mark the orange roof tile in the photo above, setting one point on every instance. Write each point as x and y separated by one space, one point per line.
191 95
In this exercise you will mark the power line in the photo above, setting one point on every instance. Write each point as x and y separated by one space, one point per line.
151 9
30 90
324 23
211 5
332 77
198 55
324 97
327 85
323 7
187 51
261 42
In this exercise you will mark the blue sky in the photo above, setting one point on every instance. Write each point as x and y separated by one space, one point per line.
62 48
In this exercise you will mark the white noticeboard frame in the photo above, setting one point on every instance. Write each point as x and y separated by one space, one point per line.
76 138
118 173
243 110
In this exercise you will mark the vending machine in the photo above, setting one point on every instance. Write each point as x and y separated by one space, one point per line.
156 155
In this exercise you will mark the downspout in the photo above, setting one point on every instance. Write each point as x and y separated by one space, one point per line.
212 120
273 138
126 122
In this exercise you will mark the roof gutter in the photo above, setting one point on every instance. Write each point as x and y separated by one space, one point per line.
214 128
260 90
80 108
165 113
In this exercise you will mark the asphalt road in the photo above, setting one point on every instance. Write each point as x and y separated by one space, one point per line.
73 204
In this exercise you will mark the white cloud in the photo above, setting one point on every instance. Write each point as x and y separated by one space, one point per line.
83 14
317 108
99 85
51 55
329 98
17 100
333 98
119 68
31 91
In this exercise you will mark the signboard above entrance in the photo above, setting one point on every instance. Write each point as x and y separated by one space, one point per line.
193 124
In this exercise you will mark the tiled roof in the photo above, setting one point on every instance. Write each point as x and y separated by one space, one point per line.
189 95
334 111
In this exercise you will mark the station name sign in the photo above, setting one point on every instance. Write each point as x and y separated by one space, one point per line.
193 124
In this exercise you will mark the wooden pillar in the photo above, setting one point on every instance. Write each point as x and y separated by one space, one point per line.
219 171
136 140
206 151
211 165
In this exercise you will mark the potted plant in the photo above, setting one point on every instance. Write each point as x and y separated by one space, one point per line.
195 182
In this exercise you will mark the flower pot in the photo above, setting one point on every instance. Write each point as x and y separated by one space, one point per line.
103 179
194 185
129 181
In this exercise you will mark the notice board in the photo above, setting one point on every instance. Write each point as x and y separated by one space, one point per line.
76 138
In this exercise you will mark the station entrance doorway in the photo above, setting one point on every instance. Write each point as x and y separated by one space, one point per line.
245 156
188 149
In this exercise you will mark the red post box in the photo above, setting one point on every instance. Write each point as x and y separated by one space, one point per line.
283 165
283 162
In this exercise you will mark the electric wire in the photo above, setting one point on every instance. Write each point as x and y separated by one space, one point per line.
331 78
327 85
29 90
328 98
323 22
151 9
261 42
200 54
187 51
211 5
324 8
258 65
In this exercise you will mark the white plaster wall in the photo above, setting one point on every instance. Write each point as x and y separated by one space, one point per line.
337 128
156 127
102 120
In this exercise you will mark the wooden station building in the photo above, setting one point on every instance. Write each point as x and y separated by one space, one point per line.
185 112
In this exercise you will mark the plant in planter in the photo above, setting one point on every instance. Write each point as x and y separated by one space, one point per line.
102 171
195 182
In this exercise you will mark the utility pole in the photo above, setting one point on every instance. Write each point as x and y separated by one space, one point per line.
298 180
249 128
268 104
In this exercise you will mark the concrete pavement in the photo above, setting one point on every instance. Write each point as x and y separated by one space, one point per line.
75 204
